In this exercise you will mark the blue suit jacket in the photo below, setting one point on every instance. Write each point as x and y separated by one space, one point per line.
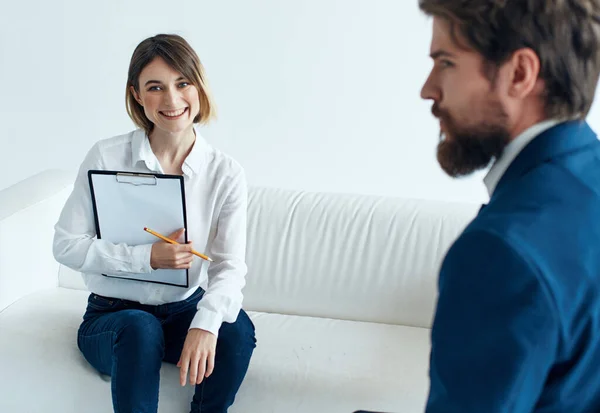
517 324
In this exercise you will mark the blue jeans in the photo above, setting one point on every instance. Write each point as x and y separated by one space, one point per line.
128 341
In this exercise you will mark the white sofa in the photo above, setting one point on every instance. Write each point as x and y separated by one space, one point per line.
341 289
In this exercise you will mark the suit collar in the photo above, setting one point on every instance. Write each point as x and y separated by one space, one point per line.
512 150
554 142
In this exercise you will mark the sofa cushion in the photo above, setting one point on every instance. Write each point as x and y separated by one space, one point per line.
301 364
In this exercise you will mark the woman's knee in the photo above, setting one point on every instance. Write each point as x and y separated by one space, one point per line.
140 329
130 335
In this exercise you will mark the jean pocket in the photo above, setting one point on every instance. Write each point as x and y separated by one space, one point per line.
100 303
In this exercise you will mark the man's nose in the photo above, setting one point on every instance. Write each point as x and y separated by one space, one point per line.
429 89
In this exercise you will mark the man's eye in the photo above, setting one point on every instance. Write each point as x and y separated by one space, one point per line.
153 88
446 63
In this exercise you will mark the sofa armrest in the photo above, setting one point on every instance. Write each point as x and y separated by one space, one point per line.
28 211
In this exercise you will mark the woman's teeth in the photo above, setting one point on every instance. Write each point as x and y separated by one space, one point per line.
173 113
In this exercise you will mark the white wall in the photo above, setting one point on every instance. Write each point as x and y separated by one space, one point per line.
312 94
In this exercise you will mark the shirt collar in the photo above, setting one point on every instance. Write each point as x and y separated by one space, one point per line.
512 150
142 151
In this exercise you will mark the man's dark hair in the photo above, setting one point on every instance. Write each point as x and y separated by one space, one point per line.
565 35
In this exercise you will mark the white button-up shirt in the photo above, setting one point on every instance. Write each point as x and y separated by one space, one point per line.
216 205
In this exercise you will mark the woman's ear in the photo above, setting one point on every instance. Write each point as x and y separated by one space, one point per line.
136 96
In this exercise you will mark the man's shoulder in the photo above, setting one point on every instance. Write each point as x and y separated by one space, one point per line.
544 200
516 223
539 223
511 232
481 235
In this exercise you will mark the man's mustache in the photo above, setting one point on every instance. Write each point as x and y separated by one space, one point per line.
437 112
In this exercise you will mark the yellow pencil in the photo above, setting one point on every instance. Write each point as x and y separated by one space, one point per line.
156 234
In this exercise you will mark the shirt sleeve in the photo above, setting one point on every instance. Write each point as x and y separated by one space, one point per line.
75 244
222 300
495 332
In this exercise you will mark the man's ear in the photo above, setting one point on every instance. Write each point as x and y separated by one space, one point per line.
525 71
136 96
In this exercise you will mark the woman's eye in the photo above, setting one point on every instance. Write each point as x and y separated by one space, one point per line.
183 84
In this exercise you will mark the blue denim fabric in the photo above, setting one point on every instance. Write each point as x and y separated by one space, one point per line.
128 341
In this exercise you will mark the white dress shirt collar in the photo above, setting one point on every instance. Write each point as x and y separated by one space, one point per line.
512 150
142 151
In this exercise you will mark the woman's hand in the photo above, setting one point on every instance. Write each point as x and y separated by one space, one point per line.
165 255
197 356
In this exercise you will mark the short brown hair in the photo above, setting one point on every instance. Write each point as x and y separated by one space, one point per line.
565 34
178 54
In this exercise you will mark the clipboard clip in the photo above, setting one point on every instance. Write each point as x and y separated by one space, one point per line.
135 179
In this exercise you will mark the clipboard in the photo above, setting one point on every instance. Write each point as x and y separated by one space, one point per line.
125 202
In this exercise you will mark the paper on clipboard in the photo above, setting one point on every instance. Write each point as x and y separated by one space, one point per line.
124 203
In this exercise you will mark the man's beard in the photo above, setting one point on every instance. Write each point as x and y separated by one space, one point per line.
470 148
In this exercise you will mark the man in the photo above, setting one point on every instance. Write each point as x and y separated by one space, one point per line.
517 324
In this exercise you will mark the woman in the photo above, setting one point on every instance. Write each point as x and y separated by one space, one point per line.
130 327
